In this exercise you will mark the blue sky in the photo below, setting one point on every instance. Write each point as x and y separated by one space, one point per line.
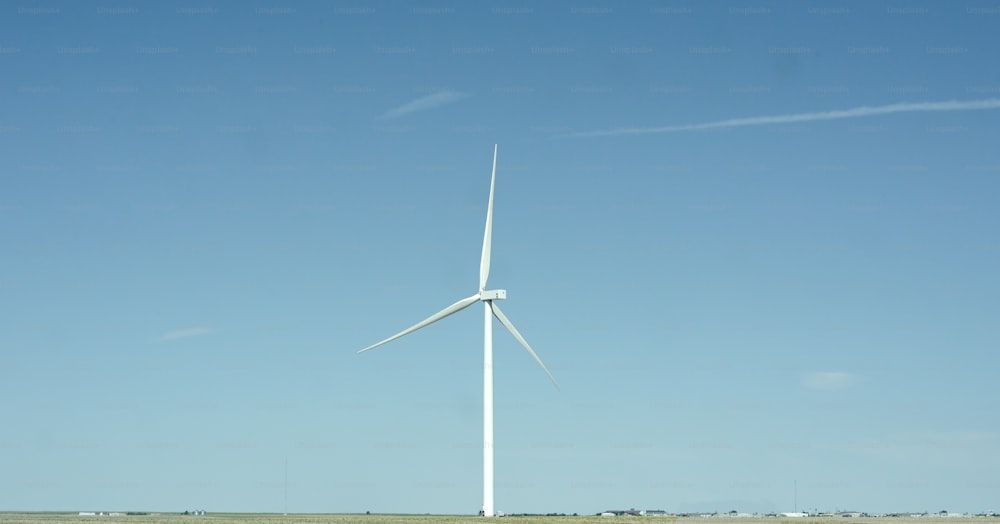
209 207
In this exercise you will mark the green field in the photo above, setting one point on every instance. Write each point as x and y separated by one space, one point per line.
256 518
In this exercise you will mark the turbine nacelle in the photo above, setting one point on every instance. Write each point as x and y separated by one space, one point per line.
496 294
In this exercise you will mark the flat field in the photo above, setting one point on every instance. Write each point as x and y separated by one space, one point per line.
258 518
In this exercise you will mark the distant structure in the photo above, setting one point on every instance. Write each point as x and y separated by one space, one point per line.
632 512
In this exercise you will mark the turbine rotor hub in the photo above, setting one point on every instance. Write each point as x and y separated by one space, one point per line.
496 294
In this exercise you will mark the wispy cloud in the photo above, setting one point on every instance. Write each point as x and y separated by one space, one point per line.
184 333
827 380
857 112
424 103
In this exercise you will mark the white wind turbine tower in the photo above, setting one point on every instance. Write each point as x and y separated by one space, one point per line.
491 309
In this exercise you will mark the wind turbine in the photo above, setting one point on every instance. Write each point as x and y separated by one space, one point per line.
491 309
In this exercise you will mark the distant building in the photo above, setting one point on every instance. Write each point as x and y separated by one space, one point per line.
621 512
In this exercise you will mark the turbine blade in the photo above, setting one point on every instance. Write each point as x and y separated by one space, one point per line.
450 310
513 331
484 262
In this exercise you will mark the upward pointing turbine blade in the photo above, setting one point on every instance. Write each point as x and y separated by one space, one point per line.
484 262
513 331
450 310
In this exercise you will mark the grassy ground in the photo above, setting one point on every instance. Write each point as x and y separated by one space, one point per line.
222 518
248 518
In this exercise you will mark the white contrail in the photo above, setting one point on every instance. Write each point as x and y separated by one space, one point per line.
830 380
857 112
423 103
184 333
